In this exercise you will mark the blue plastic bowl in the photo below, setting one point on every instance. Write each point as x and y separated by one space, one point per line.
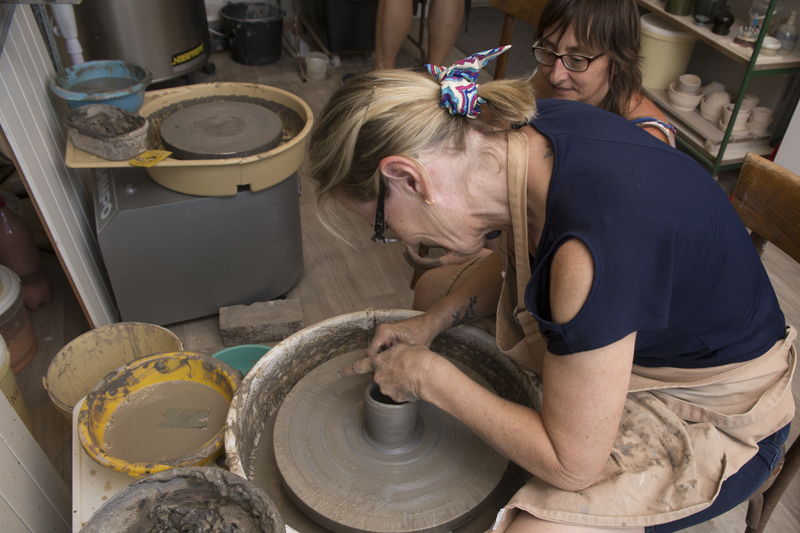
114 82
243 357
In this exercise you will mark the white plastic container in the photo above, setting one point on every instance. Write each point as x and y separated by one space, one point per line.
8 384
15 324
665 51
316 65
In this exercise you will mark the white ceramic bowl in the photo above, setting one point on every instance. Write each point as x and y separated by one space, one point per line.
770 46
750 101
719 99
683 101
710 111
759 125
760 113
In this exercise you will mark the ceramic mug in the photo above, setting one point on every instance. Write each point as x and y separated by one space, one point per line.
741 119
689 83
760 114
710 110
759 126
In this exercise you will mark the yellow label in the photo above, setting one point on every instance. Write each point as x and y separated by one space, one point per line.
185 57
149 158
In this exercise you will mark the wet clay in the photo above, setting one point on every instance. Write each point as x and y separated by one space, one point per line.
164 422
188 499
432 476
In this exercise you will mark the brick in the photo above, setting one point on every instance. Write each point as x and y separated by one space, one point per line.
260 322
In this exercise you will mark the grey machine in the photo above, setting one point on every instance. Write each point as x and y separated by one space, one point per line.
172 257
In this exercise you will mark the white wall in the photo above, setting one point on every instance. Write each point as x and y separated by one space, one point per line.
30 122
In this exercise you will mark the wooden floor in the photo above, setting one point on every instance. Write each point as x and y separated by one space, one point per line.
337 279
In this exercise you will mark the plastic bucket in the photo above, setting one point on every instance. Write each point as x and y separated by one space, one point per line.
316 65
255 31
160 500
15 324
8 384
242 358
114 82
665 51
81 364
159 412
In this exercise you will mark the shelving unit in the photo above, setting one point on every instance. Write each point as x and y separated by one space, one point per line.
726 154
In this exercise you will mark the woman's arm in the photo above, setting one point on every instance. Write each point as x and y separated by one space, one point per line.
569 442
477 297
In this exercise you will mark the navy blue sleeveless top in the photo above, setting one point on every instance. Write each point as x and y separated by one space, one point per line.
672 259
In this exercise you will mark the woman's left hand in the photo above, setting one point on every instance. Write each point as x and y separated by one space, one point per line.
400 371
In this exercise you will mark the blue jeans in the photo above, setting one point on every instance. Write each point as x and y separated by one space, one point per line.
738 487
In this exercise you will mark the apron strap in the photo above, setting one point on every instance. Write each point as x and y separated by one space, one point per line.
518 201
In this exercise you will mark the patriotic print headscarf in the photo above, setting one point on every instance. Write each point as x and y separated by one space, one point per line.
459 87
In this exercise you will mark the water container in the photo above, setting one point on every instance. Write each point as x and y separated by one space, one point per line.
665 51
15 324
18 251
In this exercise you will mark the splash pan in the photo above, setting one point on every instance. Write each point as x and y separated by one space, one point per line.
217 177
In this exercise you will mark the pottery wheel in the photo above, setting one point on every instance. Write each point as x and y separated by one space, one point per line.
339 477
221 130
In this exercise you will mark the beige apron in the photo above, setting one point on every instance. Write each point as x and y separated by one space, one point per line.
683 431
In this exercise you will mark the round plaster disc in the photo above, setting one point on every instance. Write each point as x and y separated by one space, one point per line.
221 130
341 479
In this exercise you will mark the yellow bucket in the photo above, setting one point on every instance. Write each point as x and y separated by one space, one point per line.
116 400
81 364
665 51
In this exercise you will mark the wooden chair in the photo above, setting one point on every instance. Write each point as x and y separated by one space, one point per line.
525 10
767 198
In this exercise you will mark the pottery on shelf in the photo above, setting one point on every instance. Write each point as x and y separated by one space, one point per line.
786 34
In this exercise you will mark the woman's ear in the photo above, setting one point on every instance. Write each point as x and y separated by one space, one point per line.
404 174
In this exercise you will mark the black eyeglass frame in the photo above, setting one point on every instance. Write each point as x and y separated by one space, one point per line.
561 56
380 224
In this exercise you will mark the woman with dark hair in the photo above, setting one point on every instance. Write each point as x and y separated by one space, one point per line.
588 51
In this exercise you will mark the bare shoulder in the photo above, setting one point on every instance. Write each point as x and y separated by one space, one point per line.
571 277
642 107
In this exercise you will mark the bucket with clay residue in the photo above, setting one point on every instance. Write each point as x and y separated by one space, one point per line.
188 499
242 357
159 412
255 30
81 364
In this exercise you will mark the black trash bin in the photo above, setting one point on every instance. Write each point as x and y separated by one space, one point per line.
255 31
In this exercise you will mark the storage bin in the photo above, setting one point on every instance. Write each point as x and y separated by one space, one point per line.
665 51
342 25
15 324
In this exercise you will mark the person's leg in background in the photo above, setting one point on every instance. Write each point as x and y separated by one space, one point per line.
392 25
444 24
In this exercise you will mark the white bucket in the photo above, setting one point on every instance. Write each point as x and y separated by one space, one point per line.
316 65
665 51
8 384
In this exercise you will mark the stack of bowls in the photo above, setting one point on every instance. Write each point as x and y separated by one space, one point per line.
740 125
759 120
711 106
685 94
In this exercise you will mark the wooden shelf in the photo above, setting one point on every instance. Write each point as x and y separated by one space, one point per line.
724 43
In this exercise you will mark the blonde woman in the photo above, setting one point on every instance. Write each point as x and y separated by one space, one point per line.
653 368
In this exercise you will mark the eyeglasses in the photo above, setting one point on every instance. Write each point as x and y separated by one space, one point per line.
380 225
573 62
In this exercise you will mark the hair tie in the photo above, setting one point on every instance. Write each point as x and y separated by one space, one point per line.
459 87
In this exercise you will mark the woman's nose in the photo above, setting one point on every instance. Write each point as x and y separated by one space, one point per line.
559 72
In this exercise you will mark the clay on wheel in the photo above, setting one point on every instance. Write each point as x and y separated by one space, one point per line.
348 482
221 130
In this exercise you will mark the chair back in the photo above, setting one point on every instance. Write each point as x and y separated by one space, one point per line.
767 198
525 10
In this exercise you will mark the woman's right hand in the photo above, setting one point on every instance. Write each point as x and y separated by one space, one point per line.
421 329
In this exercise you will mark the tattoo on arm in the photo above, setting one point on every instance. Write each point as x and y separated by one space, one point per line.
549 151
469 313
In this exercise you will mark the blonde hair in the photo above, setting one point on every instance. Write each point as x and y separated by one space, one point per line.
396 112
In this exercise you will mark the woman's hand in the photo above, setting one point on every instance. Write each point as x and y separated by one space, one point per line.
400 371
420 329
